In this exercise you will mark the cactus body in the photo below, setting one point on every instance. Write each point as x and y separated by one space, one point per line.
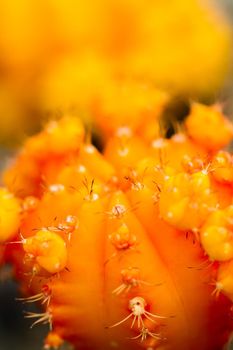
127 249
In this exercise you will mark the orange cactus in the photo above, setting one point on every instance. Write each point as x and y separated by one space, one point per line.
122 248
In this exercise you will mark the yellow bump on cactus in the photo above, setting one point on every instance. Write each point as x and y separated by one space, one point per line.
10 208
216 235
48 250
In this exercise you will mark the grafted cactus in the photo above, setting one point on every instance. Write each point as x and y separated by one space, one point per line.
129 248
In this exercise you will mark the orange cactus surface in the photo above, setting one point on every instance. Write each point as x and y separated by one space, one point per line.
131 247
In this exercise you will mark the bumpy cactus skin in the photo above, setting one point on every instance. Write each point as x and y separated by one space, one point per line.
127 249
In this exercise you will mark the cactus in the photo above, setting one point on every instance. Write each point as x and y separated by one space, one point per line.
130 247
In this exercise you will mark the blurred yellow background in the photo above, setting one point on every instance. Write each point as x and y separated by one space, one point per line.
61 56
